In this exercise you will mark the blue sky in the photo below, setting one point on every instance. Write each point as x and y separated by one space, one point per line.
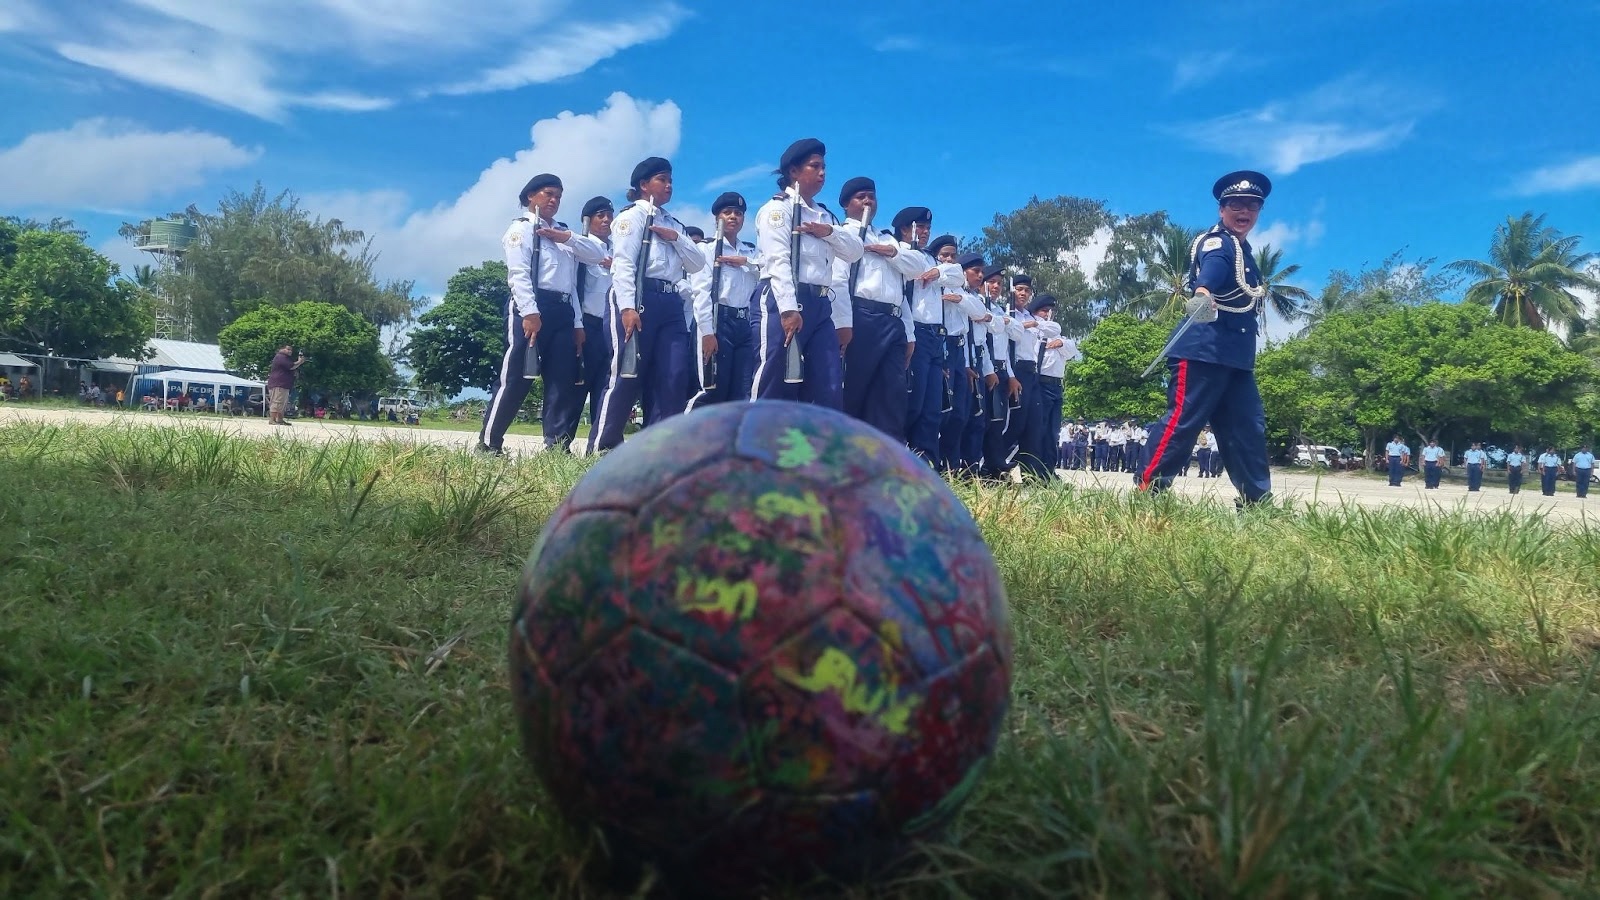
1385 125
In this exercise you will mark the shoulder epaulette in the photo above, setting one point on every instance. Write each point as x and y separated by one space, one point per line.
747 244
563 226
628 207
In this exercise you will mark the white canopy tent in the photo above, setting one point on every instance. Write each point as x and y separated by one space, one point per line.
212 385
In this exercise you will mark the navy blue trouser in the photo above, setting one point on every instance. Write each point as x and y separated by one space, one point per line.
1048 446
1203 459
1027 374
1474 476
1397 472
596 371
875 370
821 365
952 426
1201 392
1547 480
997 457
1430 474
1583 481
736 359
925 400
558 366
1102 455
1514 479
664 360
1031 433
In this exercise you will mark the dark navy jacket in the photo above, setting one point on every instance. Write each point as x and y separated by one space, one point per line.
1230 340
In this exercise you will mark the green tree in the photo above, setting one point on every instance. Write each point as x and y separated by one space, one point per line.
1284 299
341 348
1043 239
460 341
1167 268
1530 275
58 296
258 250
1392 283
1106 383
1125 275
1301 407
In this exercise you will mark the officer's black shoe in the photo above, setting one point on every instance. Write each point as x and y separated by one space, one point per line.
490 451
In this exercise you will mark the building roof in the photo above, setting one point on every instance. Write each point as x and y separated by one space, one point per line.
168 353
11 359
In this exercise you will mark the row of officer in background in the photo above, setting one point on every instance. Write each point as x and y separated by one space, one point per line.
930 346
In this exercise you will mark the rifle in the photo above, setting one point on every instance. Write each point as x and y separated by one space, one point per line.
530 358
794 365
629 367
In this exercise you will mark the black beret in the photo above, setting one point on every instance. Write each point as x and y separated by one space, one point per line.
535 184
912 214
993 271
940 241
855 186
1243 183
798 152
968 260
1022 279
728 200
648 169
695 233
1043 301
596 204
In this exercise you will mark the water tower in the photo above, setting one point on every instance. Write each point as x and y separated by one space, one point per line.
167 240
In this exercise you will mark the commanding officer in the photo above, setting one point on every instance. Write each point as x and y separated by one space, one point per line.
1052 368
1549 469
925 294
872 317
1399 456
594 295
542 258
1005 388
1432 464
653 254
1516 463
1583 470
1475 459
797 240
1212 367
723 290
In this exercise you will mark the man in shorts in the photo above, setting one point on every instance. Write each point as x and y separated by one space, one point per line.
280 381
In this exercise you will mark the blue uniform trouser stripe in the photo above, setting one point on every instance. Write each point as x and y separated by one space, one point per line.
510 388
822 366
1229 399
664 357
926 397
952 424
875 372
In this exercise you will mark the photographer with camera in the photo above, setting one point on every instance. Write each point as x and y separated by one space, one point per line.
280 381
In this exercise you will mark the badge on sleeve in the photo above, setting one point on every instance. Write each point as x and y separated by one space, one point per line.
514 237
775 217
1211 243
624 226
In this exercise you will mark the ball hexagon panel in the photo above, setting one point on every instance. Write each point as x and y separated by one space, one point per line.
825 447
574 591
649 461
732 558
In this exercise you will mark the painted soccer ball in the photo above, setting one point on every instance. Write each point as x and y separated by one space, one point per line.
760 643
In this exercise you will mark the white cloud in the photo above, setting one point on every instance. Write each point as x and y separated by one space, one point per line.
1579 174
268 58
1093 252
899 43
593 153
1349 115
733 179
1282 234
1195 69
105 164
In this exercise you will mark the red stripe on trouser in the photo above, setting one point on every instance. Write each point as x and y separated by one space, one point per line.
1172 425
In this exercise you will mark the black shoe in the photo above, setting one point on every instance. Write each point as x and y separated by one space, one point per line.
490 451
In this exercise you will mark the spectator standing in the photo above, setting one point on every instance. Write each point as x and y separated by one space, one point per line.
1583 470
280 381
25 388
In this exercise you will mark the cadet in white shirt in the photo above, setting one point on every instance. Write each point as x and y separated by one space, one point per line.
1516 464
925 295
542 260
978 363
1023 331
1003 391
1432 465
594 296
797 240
653 254
1045 448
1583 470
723 292
959 306
1549 470
1399 457
871 315
1475 460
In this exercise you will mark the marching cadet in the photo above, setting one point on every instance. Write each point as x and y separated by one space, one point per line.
1117 442
1023 331
1399 454
978 362
542 259
1549 470
1100 445
1040 450
1432 456
925 295
1583 470
1212 365
1080 445
594 296
872 317
958 372
652 256
797 240
1475 459
1516 464
723 291
1005 388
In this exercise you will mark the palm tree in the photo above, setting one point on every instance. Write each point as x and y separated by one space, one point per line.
1530 276
1288 301
1168 271
1336 297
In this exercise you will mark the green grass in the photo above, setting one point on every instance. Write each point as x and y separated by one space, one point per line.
269 668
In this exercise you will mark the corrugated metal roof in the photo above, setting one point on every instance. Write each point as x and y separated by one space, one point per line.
11 359
187 355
